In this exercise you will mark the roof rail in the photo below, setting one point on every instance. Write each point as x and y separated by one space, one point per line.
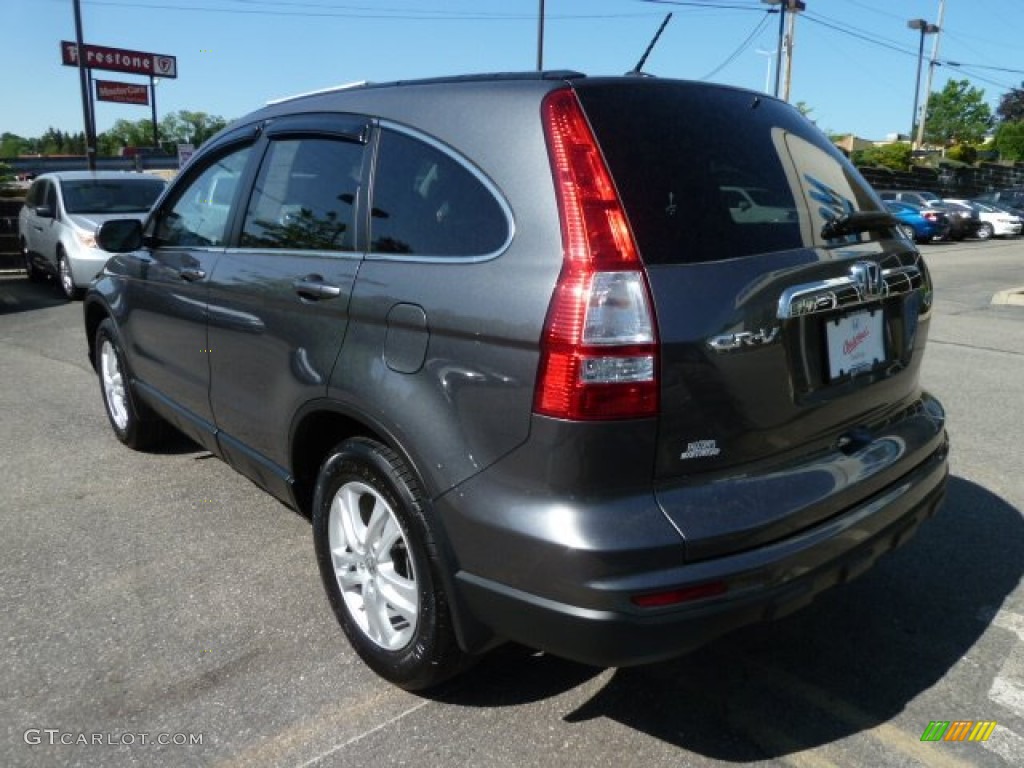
331 89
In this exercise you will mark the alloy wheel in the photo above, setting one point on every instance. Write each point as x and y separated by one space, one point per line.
372 566
113 385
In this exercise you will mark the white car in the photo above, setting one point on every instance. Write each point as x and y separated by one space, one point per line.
1000 222
57 225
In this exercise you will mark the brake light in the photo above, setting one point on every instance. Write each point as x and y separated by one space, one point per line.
599 350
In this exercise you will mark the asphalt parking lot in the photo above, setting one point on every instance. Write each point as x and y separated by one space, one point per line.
158 609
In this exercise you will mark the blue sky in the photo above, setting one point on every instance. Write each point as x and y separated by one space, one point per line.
854 60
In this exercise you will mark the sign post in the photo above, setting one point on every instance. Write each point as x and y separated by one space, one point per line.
87 113
156 132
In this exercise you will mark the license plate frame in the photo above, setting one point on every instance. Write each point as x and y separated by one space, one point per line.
856 342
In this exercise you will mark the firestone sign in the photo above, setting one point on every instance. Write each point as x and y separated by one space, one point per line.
120 60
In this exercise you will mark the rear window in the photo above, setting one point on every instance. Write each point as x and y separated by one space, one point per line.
710 173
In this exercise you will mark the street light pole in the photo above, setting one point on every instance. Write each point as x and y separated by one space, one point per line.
926 29
782 36
540 38
768 68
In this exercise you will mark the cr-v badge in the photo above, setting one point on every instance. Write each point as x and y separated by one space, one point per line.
730 341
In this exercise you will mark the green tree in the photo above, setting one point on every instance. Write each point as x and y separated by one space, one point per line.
962 153
1011 105
125 133
957 114
1010 141
186 127
12 145
895 156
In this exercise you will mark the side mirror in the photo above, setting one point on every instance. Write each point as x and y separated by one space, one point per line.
44 212
120 235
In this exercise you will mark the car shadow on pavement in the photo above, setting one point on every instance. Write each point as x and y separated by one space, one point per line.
850 661
19 294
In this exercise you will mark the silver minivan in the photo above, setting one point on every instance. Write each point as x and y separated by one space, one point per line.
57 225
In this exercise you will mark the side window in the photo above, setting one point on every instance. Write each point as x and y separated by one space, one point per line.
197 215
51 196
35 194
305 196
426 203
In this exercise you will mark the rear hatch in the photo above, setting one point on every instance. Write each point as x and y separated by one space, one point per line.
778 341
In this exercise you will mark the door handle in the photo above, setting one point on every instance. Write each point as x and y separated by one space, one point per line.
192 274
313 288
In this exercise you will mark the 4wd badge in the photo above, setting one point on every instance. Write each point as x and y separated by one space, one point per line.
700 449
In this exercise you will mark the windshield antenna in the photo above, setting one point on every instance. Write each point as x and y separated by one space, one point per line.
637 70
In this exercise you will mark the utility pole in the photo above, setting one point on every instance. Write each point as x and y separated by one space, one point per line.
924 28
931 73
794 6
84 82
790 32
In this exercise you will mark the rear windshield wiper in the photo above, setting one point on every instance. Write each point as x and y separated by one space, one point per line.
857 221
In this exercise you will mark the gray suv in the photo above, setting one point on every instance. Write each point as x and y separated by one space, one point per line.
531 375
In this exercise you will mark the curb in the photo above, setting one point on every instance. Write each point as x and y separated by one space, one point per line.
1011 296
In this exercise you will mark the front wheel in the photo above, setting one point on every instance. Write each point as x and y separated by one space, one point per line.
65 278
381 566
985 231
134 426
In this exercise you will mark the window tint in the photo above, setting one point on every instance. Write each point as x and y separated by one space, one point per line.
707 175
305 196
51 196
134 195
198 214
35 195
424 202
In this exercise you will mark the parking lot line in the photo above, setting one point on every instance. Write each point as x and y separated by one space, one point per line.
888 735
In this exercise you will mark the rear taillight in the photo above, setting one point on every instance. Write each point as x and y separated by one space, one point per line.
599 350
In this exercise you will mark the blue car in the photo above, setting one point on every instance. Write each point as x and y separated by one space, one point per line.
922 225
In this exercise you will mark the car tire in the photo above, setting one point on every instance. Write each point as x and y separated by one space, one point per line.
33 272
380 564
66 278
908 232
133 424
985 231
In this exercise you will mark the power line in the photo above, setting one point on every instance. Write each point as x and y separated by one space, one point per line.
307 10
717 6
742 47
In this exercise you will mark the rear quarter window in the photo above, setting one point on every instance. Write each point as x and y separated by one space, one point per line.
427 203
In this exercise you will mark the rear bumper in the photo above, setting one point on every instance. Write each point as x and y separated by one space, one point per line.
561 577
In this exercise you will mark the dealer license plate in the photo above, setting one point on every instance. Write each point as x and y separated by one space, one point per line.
855 342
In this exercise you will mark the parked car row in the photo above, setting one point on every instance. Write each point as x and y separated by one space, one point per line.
925 217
